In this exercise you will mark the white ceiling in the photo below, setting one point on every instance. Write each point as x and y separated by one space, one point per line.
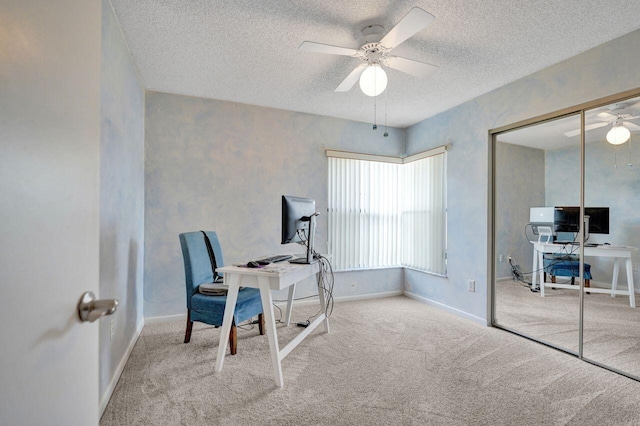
247 50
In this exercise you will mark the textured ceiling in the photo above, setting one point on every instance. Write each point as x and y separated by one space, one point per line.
247 51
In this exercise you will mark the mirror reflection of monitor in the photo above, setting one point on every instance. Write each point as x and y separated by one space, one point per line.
598 219
567 219
298 224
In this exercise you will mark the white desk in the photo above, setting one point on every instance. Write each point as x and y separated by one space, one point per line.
618 253
267 280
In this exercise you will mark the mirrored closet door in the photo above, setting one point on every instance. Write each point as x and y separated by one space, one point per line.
566 232
536 168
611 334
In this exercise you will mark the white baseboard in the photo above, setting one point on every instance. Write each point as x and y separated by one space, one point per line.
302 302
447 308
509 278
166 318
370 296
104 400
314 300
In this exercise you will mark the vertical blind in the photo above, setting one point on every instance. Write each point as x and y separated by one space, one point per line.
384 214
424 214
364 214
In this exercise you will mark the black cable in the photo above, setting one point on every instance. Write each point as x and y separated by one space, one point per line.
559 256
326 278
279 320
526 234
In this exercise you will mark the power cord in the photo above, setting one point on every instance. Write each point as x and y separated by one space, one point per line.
519 276
326 281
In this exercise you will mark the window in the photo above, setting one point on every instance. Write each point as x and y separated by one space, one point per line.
386 212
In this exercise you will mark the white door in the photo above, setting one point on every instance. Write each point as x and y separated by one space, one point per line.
49 210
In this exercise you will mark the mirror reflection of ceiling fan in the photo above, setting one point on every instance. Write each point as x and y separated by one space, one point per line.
375 52
618 117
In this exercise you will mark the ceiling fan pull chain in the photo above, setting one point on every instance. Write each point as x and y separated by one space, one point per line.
386 104
375 113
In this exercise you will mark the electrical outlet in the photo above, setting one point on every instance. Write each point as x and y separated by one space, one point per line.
471 285
634 266
112 327
501 258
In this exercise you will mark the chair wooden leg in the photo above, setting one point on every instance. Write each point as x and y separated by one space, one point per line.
187 334
587 283
261 324
233 339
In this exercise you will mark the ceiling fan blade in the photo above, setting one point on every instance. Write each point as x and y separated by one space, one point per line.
412 22
632 127
634 105
351 79
310 46
586 128
606 116
409 66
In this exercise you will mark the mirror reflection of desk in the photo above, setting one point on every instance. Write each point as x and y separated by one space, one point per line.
619 253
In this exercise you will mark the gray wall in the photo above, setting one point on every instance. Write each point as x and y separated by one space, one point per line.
121 199
223 166
520 183
605 186
599 72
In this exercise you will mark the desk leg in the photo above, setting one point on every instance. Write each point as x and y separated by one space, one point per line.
323 305
540 267
534 275
614 280
270 322
632 290
227 320
292 292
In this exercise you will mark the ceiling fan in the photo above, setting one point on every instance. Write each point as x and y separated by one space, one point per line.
618 117
375 53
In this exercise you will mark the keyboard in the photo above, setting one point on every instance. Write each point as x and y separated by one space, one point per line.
274 259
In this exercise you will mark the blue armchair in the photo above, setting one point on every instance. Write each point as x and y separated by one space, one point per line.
210 309
566 266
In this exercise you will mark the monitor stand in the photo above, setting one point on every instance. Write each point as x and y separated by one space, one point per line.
309 258
303 261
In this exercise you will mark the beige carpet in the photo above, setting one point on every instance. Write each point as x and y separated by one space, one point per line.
611 326
390 361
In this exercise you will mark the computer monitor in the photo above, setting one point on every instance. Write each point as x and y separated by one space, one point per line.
598 219
299 224
567 219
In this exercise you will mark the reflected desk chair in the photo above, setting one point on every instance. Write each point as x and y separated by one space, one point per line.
565 266
199 268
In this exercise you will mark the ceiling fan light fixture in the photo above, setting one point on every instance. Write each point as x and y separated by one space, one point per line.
373 80
618 134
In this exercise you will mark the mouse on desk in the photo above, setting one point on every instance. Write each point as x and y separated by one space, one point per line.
606 244
253 264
